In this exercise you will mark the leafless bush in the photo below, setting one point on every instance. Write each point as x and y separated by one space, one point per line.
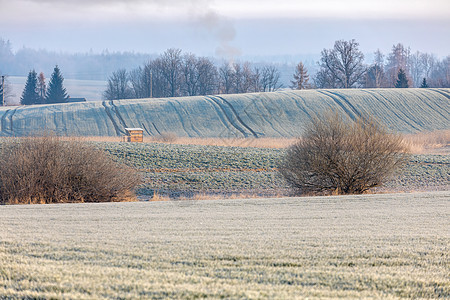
339 157
166 137
49 170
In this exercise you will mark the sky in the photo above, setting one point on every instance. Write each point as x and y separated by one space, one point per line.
225 28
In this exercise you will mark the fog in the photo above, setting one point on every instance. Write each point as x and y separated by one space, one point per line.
225 28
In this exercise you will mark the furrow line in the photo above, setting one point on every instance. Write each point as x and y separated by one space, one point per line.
341 105
227 116
442 92
431 107
237 117
355 111
115 109
179 116
10 117
156 128
108 113
190 123
404 118
3 120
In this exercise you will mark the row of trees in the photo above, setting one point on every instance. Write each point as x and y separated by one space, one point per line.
343 67
174 74
36 91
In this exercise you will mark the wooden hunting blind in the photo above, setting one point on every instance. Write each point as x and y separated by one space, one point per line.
134 135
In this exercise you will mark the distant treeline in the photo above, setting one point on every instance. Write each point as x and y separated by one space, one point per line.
174 74
87 66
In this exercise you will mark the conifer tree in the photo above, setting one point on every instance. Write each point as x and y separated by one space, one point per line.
424 84
30 94
301 78
402 81
56 93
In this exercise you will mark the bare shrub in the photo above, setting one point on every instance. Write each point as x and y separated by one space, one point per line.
342 157
50 170
166 137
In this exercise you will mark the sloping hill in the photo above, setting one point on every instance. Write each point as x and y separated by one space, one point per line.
277 114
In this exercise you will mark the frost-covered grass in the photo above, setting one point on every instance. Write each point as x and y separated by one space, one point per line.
276 114
186 170
371 246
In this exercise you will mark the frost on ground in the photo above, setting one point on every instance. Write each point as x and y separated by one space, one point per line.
274 114
379 246
187 170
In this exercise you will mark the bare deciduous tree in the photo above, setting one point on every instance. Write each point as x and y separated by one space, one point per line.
191 74
325 80
343 64
225 79
340 156
170 63
375 75
416 67
397 59
268 78
5 90
42 87
208 77
118 86
440 75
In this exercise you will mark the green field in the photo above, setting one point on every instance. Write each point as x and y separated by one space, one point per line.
371 246
186 170
275 114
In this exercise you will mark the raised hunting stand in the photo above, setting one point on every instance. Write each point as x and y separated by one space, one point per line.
133 135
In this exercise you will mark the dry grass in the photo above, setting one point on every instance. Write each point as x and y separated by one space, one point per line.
231 142
368 246
158 197
434 142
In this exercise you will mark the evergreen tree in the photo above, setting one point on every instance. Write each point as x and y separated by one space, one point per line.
30 94
301 78
424 84
56 93
402 81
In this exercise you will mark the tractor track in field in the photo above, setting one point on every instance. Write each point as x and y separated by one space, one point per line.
8 118
231 114
404 118
115 109
353 113
109 113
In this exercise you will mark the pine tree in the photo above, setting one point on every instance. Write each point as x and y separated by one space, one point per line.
402 81
301 78
30 94
56 93
424 84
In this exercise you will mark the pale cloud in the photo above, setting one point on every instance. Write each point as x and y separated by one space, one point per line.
138 10
224 27
339 9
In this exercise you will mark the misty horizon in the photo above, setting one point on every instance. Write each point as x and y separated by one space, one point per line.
225 29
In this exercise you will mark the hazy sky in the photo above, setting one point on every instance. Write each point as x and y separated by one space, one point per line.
225 27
